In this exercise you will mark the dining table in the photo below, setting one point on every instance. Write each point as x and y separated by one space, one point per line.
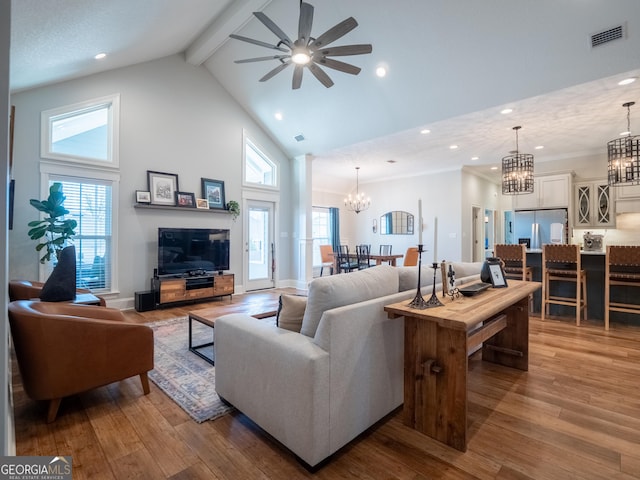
390 259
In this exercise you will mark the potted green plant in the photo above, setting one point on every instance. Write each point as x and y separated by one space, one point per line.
234 208
54 231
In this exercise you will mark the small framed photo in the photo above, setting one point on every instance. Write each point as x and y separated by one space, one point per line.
185 199
213 191
202 203
162 187
498 279
143 197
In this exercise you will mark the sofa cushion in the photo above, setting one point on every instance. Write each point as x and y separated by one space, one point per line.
290 312
408 277
334 291
466 269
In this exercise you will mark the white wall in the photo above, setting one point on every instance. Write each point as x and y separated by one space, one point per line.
7 431
174 118
440 194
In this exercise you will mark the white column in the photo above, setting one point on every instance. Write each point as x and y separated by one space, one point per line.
303 239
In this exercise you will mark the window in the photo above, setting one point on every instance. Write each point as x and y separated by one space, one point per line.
85 132
320 232
259 170
89 202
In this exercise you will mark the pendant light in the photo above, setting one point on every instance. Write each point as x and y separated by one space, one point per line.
359 202
624 156
517 172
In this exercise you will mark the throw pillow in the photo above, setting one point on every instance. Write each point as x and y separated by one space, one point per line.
290 312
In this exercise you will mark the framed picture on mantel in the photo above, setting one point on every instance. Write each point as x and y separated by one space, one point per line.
163 187
213 191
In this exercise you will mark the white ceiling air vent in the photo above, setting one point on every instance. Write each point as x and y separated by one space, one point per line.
299 138
606 36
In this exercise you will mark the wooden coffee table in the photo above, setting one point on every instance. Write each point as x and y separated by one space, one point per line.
207 316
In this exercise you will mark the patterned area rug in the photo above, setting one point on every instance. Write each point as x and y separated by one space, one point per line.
188 379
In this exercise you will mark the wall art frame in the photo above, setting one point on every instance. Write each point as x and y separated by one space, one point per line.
163 187
213 191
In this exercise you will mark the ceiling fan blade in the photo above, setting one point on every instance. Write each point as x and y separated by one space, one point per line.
297 77
257 42
337 65
305 22
320 75
274 28
275 71
346 50
335 32
261 59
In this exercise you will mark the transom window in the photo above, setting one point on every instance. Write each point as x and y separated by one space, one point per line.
86 132
259 170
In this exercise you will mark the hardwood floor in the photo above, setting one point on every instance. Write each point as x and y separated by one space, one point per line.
574 414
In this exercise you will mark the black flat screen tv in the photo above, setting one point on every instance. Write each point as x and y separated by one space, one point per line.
192 250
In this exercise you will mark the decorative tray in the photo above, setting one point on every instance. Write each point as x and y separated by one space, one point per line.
470 290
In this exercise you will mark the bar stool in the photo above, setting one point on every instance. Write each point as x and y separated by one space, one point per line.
515 261
561 263
515 264
621 269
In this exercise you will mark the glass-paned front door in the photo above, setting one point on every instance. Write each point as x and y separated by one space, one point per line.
260 246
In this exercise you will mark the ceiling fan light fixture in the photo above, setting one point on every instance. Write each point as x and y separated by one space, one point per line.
307 51
623 156
517 171
300 56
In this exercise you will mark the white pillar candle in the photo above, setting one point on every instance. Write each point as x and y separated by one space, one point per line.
419 221
435 240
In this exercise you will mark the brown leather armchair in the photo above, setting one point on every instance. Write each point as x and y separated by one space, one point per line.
63 349
28 290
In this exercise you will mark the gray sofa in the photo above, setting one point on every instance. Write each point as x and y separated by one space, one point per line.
316 390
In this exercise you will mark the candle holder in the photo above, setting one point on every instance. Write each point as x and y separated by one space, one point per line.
418 301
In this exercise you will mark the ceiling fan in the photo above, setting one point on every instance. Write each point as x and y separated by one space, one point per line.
307 51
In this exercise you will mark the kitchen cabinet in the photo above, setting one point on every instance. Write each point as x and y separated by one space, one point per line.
594 204
549 191
628 192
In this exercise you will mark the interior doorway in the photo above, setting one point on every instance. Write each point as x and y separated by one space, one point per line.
477 234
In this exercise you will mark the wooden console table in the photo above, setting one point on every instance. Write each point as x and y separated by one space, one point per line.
437 342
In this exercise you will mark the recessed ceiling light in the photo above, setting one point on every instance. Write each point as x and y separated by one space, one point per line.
506 110
539 147
381 72
627 81
425 131
278 116
453 147
475 158
494 168
100 56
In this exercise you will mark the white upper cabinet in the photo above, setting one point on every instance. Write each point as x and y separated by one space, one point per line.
549 191
594 204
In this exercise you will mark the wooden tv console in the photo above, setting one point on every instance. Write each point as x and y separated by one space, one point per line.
188 289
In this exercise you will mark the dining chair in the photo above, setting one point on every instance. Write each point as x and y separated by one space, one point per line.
385 249
345 263
326 254
411 257
621 269
363 253
515 264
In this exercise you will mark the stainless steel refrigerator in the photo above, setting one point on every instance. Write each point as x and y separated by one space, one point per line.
538 227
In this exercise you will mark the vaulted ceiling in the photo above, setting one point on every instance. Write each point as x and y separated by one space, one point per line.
451 68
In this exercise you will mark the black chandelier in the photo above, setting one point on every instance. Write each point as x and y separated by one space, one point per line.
517 172
359 202
624 156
